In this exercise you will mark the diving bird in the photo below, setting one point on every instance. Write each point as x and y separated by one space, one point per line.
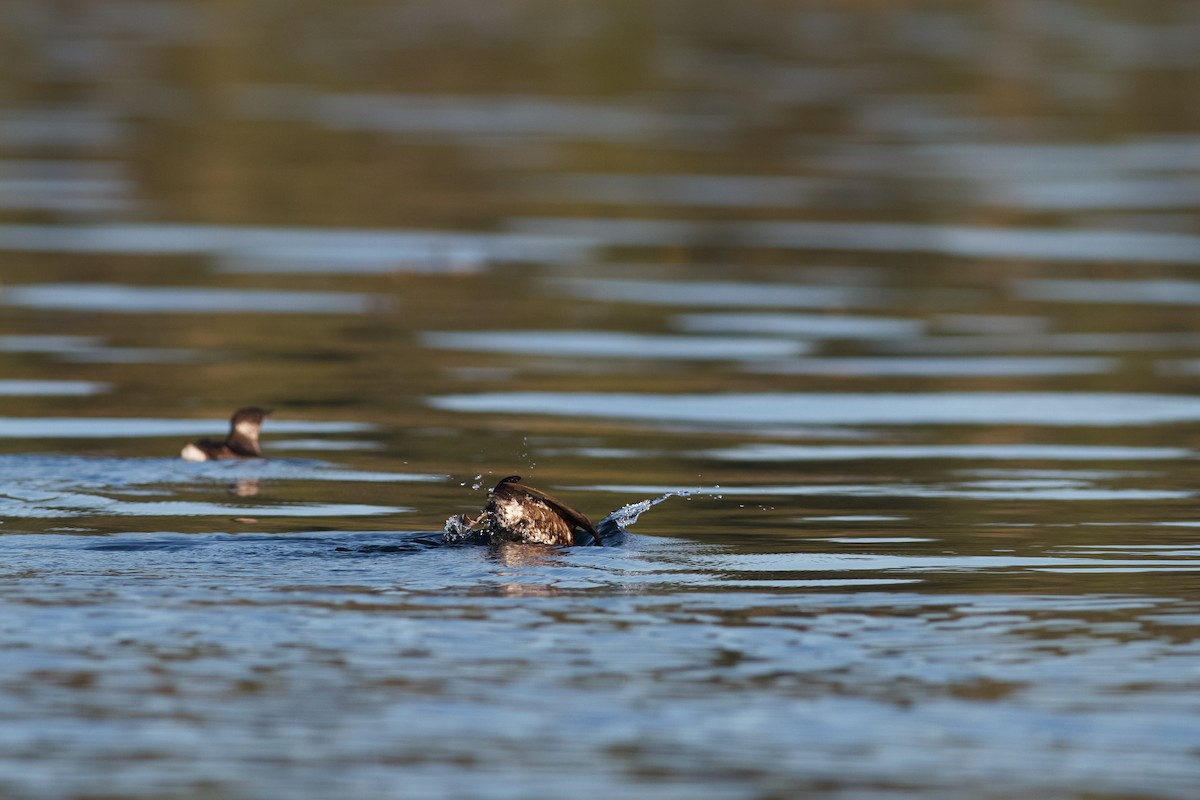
519 513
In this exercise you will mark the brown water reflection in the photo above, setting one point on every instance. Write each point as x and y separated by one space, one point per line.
894 304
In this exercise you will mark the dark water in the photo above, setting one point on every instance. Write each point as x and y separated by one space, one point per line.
877 320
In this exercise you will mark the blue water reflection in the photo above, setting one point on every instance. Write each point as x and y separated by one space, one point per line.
1045 244
114 298
615 345
911 408
49 487
248 248
90 349
1007 452
1024 490
16 387
65 186
121 427
1159 292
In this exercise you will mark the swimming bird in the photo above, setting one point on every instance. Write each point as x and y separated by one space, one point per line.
242 441
519 513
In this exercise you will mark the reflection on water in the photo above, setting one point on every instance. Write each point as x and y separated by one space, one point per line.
64 186
18 387
724 294
1006 452
873 322
247 248
140 299
1105 291
1053 490
827 325
1043 244
880 408
119 427
984 366
1069 195
73 486
618 345
90 349
670 190
469 116
1053 342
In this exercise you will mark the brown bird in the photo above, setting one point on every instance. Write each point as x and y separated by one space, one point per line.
242 441
519 513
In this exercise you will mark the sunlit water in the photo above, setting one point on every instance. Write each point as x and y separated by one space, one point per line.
866 335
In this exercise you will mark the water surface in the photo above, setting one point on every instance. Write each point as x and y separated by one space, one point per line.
874 326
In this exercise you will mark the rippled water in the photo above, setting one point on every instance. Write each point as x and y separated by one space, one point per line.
872 327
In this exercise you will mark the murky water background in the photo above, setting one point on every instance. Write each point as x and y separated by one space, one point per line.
895 304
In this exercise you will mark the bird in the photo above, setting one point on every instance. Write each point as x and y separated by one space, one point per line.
242 441
519 513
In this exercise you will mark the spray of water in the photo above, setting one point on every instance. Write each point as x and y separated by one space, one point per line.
617 521
457 531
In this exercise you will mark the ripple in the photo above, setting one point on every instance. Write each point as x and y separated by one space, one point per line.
441 115
1107 193
47 344
1124 342
79 504
51 388
40 128
999 159
817 325
863 518
107 297
1007 452
872 539
65 186
801 563
609 344
324 444
726 294
1056 474
44 487
944 367
746 409
121 427
1092 290
713 191
1047 490
993 324
50 471
1047 244
247 248
91 350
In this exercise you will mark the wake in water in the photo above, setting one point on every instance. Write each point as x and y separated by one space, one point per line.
612 528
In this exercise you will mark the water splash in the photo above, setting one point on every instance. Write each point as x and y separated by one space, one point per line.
618 521
457 530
